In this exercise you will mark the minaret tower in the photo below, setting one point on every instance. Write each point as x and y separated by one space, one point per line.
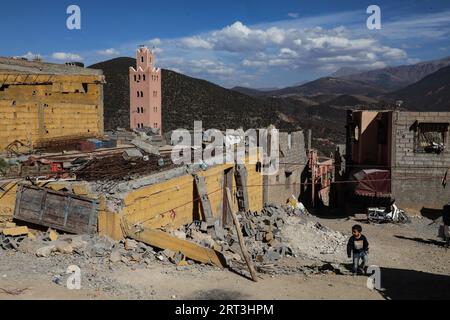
145 92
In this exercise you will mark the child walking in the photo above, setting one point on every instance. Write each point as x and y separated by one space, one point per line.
359 247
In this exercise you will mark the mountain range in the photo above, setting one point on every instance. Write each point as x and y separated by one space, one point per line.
317 105
355 81
432 93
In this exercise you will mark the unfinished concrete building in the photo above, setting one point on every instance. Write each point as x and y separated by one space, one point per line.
293 161
44 102
412 146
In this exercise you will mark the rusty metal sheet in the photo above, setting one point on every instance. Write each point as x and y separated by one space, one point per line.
58 210
373 183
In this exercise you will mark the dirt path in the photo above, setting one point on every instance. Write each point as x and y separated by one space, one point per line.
413 261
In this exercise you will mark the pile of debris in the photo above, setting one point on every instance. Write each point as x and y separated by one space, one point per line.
269 235
262 232
311 240
88 247
11 236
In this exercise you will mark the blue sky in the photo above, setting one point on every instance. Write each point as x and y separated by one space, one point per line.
254 43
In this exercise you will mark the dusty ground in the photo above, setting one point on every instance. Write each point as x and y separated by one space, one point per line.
414 264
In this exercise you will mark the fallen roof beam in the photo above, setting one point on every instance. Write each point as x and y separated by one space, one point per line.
163 240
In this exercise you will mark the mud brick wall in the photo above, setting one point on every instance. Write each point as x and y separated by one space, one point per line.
35 109
417 177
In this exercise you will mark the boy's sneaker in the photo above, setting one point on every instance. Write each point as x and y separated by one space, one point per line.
365 270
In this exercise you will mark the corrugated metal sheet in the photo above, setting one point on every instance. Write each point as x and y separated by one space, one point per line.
58 210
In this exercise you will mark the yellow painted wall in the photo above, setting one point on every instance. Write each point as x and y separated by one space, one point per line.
152 206
7 200
109 222
60 109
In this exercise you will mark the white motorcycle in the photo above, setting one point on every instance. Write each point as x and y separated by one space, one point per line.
391 214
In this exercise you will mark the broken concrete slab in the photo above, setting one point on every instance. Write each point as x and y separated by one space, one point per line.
131 244
46 251
146 147
132 154
64 247
115 256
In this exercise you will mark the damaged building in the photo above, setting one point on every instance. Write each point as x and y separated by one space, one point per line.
43 102
411 147
128 188
293 163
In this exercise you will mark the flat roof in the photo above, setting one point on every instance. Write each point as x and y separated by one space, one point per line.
21 66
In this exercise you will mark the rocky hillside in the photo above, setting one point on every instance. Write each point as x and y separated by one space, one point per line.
327 86
394 78
186 100
429 94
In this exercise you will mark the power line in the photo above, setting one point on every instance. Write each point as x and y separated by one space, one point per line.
172 210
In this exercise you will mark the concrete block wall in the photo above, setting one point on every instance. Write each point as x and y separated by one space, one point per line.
417 177
292 160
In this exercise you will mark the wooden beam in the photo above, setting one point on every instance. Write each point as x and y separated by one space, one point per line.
163 240
247 257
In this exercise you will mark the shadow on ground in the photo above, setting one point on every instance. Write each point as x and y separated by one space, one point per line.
414 285
424 241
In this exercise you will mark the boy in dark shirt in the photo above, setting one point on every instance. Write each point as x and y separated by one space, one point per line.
359 246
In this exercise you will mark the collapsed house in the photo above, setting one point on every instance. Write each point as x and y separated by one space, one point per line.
408 150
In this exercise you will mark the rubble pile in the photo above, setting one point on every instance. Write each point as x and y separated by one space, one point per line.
270 235
262 232
309 239
89 248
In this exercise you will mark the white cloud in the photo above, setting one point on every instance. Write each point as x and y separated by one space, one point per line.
294 48
65 56
288 53
108 52
195 43
210 67
293 15
154 42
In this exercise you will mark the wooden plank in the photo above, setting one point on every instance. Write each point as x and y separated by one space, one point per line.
247 257
163 240
200 184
